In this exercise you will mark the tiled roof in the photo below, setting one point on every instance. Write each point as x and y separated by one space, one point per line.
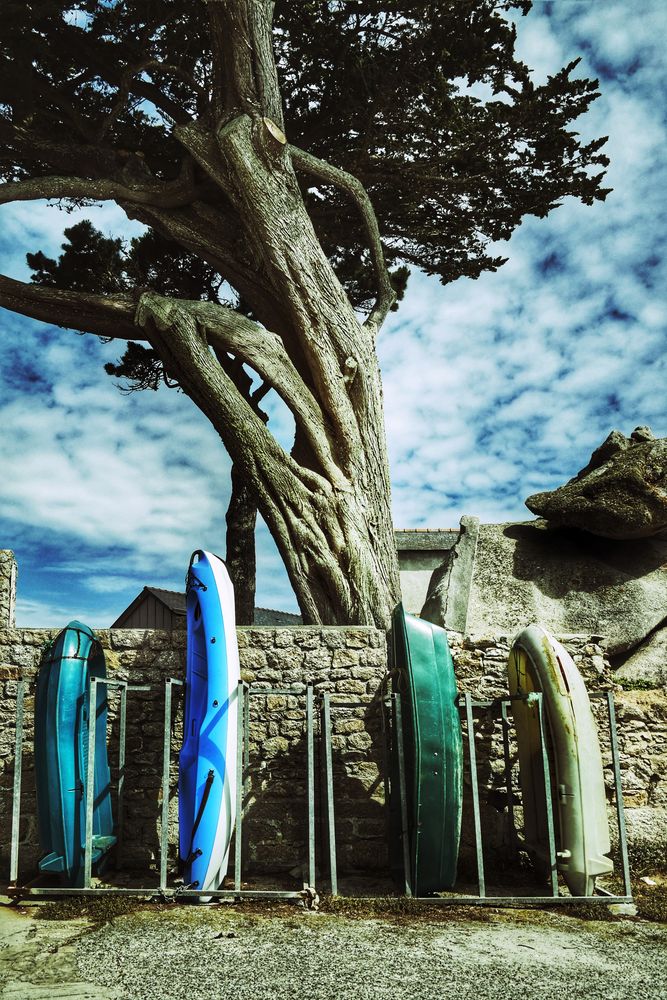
267 616
175 601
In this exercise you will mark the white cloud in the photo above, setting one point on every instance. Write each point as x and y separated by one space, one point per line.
494 389
539 47
28 226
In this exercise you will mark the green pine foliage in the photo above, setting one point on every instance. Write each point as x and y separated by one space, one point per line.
382 89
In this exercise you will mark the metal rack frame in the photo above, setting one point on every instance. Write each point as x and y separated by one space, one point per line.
500 705
327 775
30 889
244 693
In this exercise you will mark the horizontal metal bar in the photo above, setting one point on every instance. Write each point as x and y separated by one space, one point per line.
175 680
475 703
111 682
241 893
351 704
319 695
515 901
121 684
493 703
496 702
20 893
155 891
267 692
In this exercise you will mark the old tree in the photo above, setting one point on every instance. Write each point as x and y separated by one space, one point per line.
289 161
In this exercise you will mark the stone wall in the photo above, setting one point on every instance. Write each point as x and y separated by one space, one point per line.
351 664
8 575
641 717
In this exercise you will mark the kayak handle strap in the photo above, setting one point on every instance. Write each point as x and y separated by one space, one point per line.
210 777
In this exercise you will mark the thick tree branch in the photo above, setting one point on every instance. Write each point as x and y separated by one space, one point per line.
245 77
266 75
172 194
216 237
173 329
264 191
151 92
231 45
64 155
347 182
265 352
104 315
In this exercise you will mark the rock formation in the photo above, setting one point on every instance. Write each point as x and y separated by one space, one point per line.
621 493
647 665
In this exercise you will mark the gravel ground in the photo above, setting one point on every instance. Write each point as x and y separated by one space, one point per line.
187 954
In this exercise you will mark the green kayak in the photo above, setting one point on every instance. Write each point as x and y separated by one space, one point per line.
433 749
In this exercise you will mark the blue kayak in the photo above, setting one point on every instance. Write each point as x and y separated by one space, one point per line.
207 761
61 751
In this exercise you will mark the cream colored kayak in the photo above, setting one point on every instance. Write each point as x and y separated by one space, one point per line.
538 662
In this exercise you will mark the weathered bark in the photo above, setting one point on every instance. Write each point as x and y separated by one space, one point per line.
335 537
106 315
240 556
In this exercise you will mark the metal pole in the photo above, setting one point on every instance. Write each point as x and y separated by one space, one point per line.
310 747
472 757
403 794
386 780
240 751
18 767
553 870
90 783
508 768
166 760
328 765
121 773
620 811
246 730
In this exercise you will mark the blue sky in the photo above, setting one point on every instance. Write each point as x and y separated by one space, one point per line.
494 389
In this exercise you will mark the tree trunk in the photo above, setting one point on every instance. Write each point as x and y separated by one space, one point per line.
240 557
330 517
329 512
332 525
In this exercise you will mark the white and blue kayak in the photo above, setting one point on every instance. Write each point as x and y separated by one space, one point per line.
207 761
539 663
